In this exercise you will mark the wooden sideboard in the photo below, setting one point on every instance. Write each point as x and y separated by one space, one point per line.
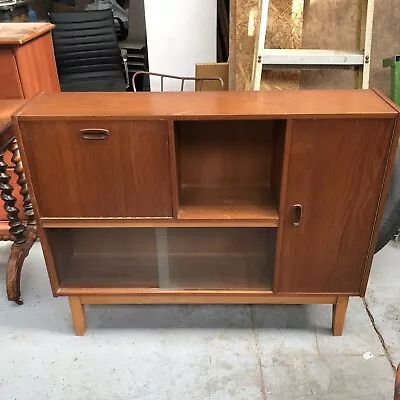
214 197
27 67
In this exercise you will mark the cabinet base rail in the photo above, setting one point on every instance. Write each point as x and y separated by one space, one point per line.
77 304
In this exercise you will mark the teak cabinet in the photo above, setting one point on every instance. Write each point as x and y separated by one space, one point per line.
27 67
214 197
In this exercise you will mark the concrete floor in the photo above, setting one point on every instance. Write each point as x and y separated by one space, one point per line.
198 352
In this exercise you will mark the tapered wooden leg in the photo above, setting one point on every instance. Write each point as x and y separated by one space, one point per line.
339 315
78 315
397 385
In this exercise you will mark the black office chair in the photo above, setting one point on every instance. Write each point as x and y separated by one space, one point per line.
87 53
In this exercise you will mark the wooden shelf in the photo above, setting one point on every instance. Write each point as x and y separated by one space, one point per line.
200 203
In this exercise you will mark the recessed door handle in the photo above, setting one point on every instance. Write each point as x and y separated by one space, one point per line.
95 134
297 214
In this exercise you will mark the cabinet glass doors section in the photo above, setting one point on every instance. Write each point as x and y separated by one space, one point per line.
164 258
209 197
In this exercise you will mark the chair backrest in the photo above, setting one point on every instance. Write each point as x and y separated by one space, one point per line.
199 81
86 50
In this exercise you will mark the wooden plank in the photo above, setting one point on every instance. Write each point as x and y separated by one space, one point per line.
232 45
197 297
207 105
153 223
259 44
228 204
366 41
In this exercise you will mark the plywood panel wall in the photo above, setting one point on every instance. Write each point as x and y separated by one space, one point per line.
327 24
285 20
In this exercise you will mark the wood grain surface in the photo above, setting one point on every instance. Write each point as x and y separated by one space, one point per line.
196 297
150 222
37 66
336 169
127 174
241 203
10 85
209 105
15 33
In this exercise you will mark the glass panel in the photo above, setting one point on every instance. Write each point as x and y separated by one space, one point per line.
165 258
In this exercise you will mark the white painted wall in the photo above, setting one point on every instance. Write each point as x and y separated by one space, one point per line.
180 33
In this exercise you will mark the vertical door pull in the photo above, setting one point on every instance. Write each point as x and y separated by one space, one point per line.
297 214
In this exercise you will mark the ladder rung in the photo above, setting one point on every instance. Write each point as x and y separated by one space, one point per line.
312 58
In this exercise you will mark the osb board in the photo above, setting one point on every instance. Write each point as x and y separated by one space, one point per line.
333 24
285 24
284 31
329 24
246 17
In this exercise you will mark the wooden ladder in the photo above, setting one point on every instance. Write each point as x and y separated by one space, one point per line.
358 60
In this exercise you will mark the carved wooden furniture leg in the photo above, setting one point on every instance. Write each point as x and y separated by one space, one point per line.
21 181
23 237
78 315
339 315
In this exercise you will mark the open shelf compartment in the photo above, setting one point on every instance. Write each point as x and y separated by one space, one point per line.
164 258
229 170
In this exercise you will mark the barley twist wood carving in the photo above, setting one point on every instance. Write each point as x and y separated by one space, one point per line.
19 170
17 228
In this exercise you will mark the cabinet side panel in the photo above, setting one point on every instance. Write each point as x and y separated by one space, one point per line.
336 169
37 66
10 85
50 265
382 202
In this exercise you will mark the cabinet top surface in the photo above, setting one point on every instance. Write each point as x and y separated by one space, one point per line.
208 105
17 33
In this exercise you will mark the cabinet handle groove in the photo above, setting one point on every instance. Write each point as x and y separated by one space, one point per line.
297 214
95 134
